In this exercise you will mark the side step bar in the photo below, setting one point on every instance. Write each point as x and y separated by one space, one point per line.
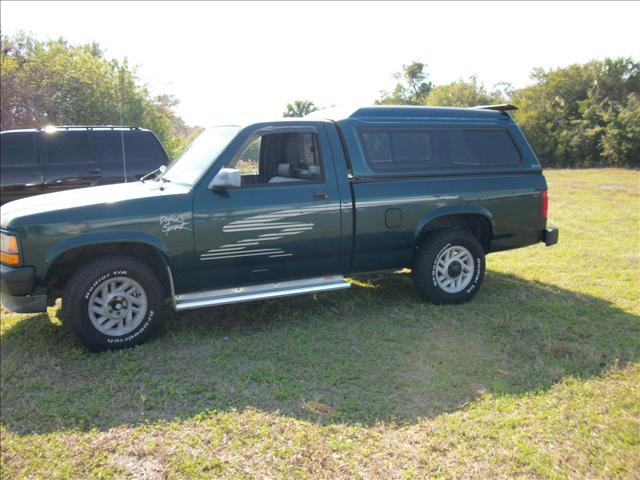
259 292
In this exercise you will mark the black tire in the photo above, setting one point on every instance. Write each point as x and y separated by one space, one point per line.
89 278
429 280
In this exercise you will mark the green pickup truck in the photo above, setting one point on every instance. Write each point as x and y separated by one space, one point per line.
281 208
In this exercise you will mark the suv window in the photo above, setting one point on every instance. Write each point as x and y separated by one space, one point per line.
109 147
70 147
18 149
142 149
392 149
280 158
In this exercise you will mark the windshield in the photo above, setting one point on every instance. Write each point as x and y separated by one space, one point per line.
198 157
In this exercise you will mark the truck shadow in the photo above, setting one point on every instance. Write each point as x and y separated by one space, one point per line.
369 354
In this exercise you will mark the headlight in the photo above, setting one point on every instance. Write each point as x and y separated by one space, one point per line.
9 249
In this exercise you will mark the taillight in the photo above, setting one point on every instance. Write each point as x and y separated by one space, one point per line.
544 204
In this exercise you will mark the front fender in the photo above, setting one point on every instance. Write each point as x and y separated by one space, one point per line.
452 210
102 238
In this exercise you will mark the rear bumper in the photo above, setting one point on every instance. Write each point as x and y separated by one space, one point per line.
16 290
550 236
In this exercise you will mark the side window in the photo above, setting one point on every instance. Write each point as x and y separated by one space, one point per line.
248 162
109 149
397 149
70 147
18 150
377 147
412 147
142 150
307 165
280 158
493 147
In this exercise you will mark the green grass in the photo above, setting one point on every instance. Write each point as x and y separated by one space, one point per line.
537 377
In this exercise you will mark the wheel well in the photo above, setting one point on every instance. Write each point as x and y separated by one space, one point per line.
64 266
477 225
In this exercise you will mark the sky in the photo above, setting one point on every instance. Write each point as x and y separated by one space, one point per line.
229 62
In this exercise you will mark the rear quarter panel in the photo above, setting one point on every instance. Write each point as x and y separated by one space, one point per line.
511 203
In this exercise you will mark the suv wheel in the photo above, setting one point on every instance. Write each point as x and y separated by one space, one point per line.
112 302
449 267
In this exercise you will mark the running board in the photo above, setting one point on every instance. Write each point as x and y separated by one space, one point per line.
259 292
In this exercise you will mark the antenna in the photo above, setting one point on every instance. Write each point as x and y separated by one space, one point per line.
124 156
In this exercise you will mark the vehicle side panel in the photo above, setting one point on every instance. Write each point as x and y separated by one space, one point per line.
509 202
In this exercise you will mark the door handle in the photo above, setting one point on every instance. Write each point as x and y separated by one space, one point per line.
320 196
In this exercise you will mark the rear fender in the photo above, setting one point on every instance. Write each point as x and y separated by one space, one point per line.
451 210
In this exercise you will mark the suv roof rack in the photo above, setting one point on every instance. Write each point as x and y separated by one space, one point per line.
89 127
501 107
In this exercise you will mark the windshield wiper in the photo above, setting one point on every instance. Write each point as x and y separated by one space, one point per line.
160 169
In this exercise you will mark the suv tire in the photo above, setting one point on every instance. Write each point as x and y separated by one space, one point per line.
113 302
449 267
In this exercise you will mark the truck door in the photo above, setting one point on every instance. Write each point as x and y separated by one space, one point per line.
282 223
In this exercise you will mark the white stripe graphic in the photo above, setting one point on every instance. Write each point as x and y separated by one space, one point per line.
237 252
238 256
266 227
227 228
229 249
267 221
243 244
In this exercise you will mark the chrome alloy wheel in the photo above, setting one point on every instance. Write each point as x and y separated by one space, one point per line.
454 269
117 306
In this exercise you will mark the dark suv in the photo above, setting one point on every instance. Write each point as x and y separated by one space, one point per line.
51 159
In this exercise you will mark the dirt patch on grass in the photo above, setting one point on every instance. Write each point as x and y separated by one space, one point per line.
139 467
628 189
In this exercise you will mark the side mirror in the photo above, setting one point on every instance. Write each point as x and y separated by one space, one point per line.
226 178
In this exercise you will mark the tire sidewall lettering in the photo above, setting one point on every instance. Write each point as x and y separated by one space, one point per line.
133 335
102 278
476 277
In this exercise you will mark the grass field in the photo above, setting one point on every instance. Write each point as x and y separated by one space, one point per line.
537 377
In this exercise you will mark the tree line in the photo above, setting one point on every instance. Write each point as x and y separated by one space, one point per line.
582 115
54 82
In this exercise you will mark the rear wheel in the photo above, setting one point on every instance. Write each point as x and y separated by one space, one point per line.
113 302
449 267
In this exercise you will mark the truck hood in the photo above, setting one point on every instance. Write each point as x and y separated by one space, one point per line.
82 197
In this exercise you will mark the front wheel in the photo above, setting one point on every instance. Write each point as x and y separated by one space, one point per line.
449 267
112 302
